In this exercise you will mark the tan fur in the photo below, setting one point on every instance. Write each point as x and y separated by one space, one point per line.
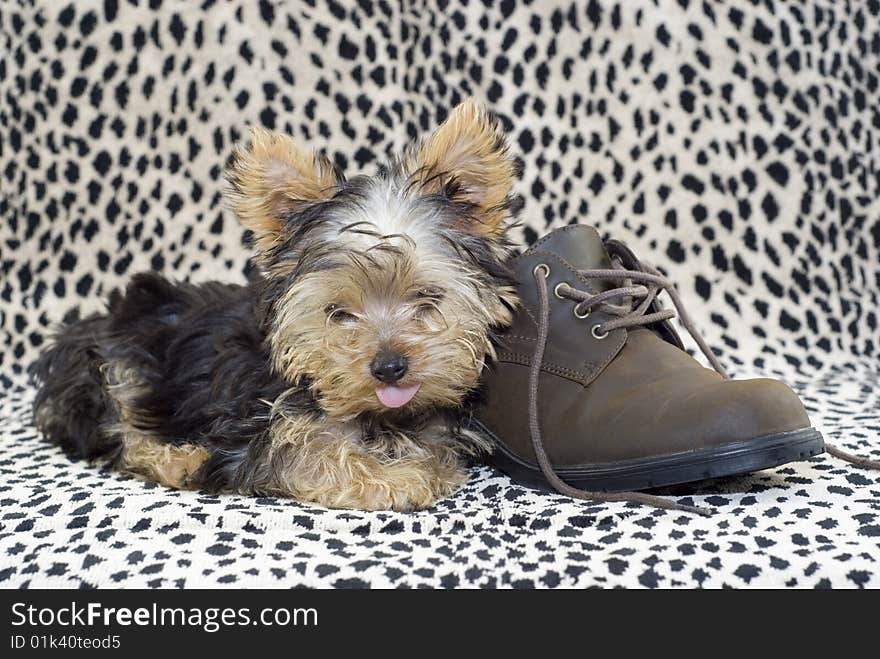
470 148
271 175
143 453
446 342
326 462
160 461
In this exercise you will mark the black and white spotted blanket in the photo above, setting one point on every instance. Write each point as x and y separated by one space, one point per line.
734 144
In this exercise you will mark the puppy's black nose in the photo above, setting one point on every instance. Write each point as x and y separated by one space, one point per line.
389 367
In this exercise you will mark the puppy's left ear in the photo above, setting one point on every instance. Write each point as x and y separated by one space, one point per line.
467 156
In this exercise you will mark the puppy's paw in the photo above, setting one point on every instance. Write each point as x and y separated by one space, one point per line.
405 488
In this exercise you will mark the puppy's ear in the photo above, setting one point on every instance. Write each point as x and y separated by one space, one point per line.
272 175
467 157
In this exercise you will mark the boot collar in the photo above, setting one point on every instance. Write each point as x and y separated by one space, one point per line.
578 244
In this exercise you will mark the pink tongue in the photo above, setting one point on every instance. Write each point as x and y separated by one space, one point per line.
392 396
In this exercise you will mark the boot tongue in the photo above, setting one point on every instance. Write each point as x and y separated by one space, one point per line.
581 246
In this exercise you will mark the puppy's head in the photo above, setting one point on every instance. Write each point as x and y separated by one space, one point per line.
384 292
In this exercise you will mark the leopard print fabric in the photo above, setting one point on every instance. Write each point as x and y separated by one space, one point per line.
733 144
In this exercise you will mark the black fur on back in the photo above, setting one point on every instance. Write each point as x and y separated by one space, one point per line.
200 350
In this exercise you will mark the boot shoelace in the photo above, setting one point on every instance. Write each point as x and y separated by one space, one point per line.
645 285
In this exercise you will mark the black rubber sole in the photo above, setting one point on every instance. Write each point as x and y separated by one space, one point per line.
673 469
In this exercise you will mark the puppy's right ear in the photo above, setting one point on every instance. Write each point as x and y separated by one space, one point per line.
270 177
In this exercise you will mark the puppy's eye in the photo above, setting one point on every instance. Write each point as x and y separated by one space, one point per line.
429 293
427 303
337 314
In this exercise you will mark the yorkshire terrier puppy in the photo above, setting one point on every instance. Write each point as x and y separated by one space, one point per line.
341 374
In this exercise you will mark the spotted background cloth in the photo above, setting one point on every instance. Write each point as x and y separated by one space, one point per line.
733 144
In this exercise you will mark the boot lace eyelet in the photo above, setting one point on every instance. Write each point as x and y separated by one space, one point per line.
597 334
543 268
580 315
556 290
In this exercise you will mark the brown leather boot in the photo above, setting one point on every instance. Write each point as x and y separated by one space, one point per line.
593 392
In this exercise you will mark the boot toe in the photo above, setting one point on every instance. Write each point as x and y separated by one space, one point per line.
675 417
750 409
